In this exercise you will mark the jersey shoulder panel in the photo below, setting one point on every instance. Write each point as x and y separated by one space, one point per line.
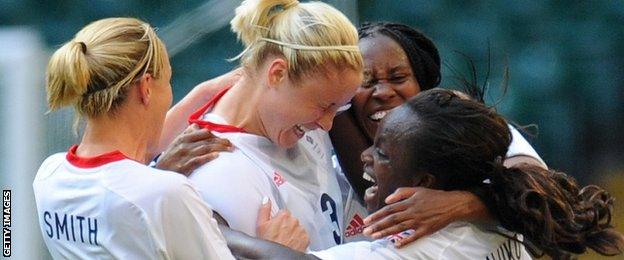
49 165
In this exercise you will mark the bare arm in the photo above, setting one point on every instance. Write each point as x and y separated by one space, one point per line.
247 247
349 142
175 121
427 211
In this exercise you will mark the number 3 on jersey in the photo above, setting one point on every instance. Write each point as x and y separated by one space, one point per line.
327 203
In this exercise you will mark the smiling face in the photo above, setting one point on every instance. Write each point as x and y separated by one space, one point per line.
388 161
311 104
388 81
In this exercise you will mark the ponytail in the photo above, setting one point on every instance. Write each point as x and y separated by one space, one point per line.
93 71
307 35
253 18
67 75
552 213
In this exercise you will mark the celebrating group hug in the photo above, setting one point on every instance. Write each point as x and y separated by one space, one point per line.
327 142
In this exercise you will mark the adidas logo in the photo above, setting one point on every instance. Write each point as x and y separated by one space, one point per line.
356 226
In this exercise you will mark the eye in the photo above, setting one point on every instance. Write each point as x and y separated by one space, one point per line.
380 153
398 79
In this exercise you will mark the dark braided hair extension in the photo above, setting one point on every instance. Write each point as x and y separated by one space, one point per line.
461 142
420 50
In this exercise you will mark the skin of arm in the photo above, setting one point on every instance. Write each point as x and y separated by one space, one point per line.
247 247
427 211
349 142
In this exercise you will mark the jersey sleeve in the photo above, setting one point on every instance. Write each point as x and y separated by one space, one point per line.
234 187
188 226
520 146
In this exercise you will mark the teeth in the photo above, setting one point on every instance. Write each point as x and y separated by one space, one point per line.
302 128
378 115
367 177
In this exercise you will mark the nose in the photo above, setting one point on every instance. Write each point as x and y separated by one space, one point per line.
326 121
384 91
367 155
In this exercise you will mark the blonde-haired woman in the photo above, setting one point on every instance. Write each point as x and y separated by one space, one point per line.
301 63
100 200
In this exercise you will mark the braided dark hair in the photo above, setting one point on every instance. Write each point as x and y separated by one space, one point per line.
420 50
461 142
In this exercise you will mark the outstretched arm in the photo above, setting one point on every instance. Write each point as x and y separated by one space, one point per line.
349 142
247 247
425 211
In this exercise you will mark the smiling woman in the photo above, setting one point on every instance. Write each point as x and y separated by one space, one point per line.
301 63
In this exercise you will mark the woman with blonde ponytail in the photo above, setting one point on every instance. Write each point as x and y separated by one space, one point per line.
301 63
99 199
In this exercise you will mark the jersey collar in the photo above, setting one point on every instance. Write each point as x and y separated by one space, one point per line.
195 118
92 162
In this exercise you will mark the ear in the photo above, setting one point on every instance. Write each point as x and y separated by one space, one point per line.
426 181
277 72
145 89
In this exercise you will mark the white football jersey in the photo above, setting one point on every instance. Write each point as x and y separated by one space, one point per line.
355 211
458 240
111 207
299 179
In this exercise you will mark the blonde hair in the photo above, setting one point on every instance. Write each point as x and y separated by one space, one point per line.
309 35
93 71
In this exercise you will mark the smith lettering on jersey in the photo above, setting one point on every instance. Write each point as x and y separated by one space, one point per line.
112 207
73 228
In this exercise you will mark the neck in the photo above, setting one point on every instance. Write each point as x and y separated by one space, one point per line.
239 106
106 134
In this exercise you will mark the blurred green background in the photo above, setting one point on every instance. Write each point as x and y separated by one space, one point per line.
565 58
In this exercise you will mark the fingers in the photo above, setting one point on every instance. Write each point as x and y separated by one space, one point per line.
385 211
205 147
196 134
391 228
395 222
197 162
401 194
411 238
264 213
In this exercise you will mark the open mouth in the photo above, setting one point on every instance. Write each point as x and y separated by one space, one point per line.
369 177
379 115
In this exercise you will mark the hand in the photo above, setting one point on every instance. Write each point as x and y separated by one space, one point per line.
424 210
283 228
191 149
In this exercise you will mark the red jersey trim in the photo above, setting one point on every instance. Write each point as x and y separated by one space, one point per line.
195 117
92 162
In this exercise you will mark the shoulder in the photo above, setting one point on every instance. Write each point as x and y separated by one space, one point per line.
141 184
229 166
49 165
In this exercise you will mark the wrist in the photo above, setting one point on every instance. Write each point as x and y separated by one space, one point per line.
470 208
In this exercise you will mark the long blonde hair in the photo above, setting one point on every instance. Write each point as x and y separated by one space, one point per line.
309 35
93 71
